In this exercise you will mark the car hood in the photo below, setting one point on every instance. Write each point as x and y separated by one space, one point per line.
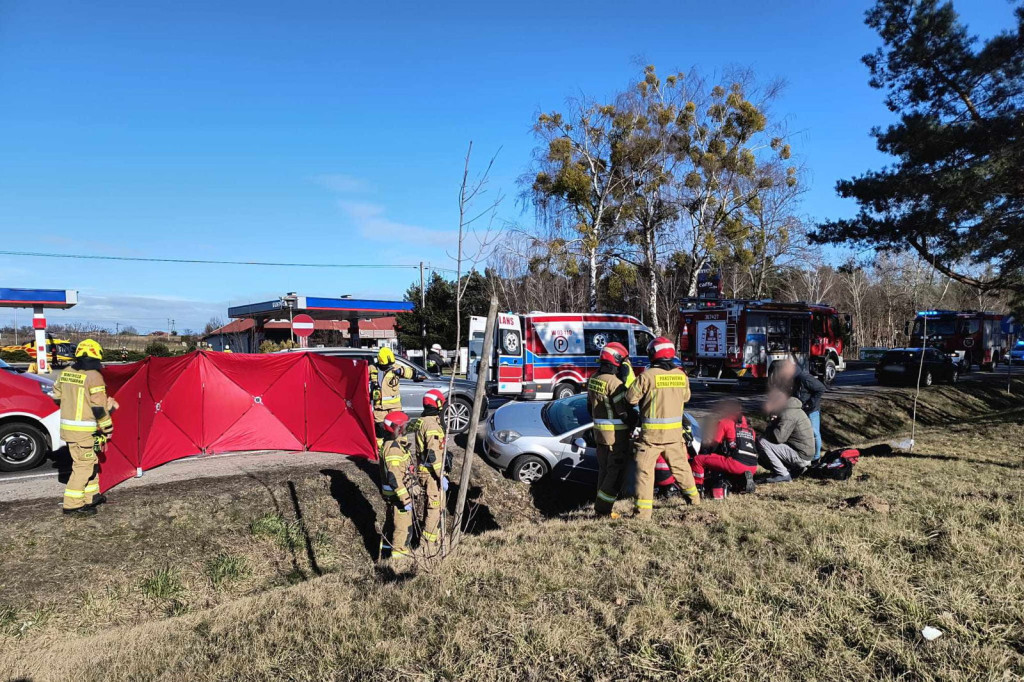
523 418
44 381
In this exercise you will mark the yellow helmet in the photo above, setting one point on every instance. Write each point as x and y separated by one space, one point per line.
385 356
89 348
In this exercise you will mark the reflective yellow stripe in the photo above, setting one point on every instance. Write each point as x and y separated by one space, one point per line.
391 399
396 460
661 427
605 497
97 389
401 491
74 494
435 504
87 429
106 421
610 427
430 537
645 504
435 432
79 405
92 488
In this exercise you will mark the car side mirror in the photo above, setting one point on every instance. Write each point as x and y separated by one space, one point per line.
580 443
419 378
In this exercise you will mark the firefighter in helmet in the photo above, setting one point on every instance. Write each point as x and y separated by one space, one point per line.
385 376
613 421
395 463
86 426
661 392
430 440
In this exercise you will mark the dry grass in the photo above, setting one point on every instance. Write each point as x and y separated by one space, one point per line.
827 581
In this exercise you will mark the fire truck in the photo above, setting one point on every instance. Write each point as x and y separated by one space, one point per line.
974 337
730 340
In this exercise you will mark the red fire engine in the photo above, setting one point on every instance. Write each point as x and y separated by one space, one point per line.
726 340
975 337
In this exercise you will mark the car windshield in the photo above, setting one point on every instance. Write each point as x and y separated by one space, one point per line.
561 416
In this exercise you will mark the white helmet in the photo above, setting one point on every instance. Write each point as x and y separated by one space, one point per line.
436 348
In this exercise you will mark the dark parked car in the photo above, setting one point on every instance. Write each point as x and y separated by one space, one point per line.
902 366
459 403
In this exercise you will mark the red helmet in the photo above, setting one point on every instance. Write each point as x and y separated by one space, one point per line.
661 349
433 398
395 422
614 353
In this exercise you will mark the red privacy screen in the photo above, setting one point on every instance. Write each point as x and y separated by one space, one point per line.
206 402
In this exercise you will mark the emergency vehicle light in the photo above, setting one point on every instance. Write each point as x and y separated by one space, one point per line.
934 313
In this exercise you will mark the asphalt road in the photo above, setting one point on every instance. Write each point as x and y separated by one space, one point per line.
45 480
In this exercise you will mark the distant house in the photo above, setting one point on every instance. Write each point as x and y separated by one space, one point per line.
243 337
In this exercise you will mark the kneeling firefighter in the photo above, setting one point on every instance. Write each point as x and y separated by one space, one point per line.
613 422
86 426
430 442
661 392
395 464
385 392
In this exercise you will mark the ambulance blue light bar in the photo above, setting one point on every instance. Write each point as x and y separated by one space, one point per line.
935 313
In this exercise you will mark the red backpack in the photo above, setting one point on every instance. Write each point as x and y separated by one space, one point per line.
836 465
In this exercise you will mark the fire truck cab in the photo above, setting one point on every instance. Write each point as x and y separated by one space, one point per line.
974 337
731 340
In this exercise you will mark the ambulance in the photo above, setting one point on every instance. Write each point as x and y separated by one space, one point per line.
540 356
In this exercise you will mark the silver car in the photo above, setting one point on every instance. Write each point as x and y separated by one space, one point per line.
529 440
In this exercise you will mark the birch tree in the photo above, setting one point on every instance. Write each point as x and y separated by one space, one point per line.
573 186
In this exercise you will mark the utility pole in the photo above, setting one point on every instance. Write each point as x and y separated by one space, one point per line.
474 419
423 315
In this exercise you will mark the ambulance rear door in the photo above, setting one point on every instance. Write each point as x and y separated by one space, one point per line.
509 347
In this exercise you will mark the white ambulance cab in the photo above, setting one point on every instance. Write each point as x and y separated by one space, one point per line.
540 356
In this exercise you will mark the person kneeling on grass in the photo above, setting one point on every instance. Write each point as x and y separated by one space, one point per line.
787 447
732 451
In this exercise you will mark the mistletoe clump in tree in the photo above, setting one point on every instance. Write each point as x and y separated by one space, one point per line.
955 193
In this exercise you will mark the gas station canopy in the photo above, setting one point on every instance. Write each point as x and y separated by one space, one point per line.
39 300
30 298
320 308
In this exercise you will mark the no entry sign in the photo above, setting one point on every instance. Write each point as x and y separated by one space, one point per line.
302 325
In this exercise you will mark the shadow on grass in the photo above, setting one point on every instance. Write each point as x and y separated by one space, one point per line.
354 506
307 541
478 518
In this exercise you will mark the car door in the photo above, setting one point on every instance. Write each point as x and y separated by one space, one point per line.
413 390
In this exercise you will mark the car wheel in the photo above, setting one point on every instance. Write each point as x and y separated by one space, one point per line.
22 446
456 415
927 379
954 377
830 372
564 390
528 469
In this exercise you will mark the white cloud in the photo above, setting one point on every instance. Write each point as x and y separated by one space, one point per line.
373 224
342 183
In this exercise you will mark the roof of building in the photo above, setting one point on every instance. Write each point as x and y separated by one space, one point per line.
245 324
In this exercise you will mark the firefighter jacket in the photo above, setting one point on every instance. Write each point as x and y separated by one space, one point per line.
430 445
384 386
606 398
661 394
82 395
395 462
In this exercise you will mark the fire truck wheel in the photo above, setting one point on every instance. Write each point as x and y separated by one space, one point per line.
927 380
564 390
954 377
830 372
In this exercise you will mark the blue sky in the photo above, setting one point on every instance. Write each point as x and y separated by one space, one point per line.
335 131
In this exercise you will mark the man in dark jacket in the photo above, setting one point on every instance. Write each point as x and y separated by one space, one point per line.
805 387
787 447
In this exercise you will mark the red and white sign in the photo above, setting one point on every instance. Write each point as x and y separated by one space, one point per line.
302 325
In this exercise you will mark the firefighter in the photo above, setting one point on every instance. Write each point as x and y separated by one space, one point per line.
86 426
395 464
661 392
430 440
435 362
613 422
385 394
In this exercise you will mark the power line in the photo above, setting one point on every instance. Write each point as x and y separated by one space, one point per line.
194 261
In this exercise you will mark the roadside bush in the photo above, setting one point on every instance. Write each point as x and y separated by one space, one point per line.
158 350
19 355
269 346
